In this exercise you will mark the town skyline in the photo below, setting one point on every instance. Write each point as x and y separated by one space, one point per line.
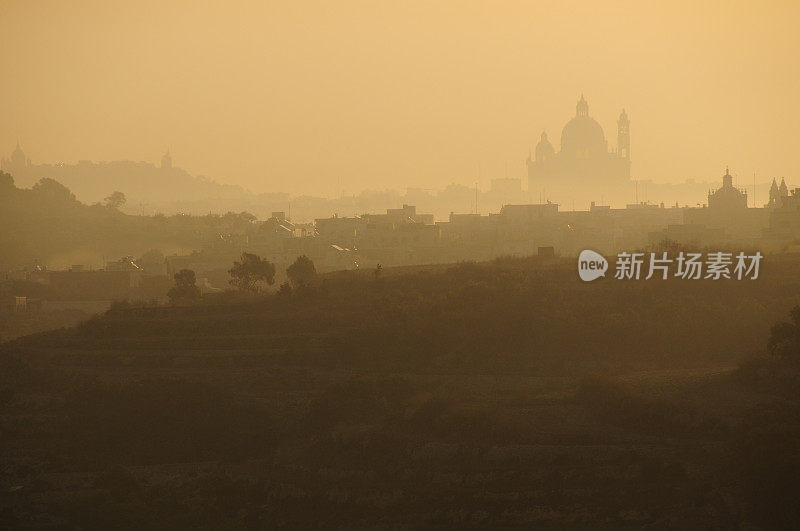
327 100
165 188
481 177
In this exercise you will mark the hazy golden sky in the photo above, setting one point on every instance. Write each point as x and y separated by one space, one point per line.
315 97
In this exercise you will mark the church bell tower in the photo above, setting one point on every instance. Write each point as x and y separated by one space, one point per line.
624 136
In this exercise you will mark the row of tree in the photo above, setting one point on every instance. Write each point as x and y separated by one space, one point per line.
250 273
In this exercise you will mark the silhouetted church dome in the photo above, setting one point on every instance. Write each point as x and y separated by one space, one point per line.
544 149
728 196
583 136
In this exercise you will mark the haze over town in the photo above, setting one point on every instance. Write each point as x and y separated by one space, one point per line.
358 264
325 99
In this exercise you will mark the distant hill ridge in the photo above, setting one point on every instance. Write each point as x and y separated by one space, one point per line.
149 188
46 224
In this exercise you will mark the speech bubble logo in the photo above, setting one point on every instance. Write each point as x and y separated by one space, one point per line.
591 265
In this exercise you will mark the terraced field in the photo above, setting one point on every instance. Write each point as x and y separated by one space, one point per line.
466 396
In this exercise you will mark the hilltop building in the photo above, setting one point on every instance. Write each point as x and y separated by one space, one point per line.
584 162
17 163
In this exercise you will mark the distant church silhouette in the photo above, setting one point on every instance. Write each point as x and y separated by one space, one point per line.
584 160
728 197
17 163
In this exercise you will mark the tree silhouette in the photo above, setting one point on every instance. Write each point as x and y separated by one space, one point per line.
185 289
115 200
301 272
51 190
249 270
784 338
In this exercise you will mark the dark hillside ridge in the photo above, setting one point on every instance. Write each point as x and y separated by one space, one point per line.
464 317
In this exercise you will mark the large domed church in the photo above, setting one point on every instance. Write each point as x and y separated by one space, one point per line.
584 161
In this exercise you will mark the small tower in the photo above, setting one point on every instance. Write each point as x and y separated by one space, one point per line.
544 149
624 136
166 161
727 179
773 194
783 190
582 108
